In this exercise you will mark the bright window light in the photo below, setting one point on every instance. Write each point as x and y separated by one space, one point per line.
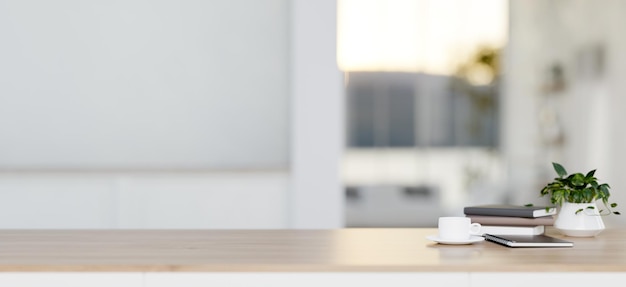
429 36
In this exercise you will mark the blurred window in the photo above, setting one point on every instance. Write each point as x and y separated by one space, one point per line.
421 72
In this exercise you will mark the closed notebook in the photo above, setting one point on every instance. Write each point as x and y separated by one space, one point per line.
528 240
509 210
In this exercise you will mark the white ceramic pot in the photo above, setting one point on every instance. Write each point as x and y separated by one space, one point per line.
585 223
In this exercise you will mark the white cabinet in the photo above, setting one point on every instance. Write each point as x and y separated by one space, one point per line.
525 279
312 279
71 279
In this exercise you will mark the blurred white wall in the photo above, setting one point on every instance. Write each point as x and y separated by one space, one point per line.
185 199
144 84
242 150
316 198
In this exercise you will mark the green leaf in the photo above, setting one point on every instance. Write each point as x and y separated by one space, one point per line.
590 174
528 204
558 196
578 211
605 189
560 170
616 213
578 179
576 197
613 205
588 193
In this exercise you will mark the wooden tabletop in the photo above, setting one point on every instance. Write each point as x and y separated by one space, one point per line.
367 250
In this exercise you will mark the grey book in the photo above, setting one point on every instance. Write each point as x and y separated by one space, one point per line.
528 240
510 210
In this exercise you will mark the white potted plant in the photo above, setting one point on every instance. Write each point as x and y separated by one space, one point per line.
577 195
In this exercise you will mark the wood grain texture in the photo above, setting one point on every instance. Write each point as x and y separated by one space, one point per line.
342 250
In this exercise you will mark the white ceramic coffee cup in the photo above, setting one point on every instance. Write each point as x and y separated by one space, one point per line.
457 228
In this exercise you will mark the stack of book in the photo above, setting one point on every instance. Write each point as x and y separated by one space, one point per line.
506 219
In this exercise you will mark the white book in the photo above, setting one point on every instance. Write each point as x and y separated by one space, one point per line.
512 230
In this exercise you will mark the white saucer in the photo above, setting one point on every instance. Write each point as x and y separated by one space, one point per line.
472 239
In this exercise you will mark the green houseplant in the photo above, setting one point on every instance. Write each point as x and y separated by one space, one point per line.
576 195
